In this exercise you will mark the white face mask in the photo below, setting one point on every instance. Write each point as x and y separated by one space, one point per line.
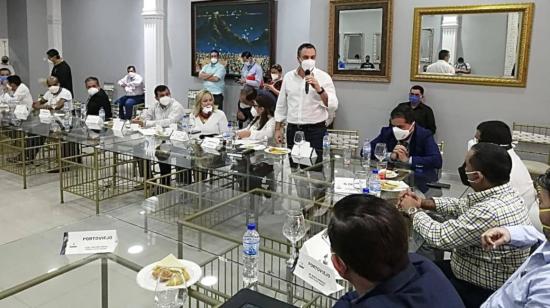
93 91
213 60
53 89
207 109
308 64
165 100
471 143
132 74
254 112
274 76
400 134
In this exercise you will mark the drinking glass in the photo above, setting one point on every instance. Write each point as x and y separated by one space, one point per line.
170 298
294 230
347 156
380 151
360 180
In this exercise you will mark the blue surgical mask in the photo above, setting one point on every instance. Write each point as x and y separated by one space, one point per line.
3 78
415 100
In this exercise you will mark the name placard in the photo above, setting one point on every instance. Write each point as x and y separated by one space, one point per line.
45 113
210 143
89 242
93 119
118 125
178 135
318 275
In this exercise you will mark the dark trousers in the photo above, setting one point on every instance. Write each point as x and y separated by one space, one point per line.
218 100
314 134
126 105
145 165
472 295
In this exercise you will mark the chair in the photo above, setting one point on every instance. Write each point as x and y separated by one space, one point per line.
191 94
533 143
343 139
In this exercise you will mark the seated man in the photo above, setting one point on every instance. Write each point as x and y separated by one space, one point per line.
422 113
529 285
367 64
98 99
134 88
369 240
474 272
163 113
410 144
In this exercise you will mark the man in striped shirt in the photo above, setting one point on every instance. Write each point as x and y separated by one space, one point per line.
475 272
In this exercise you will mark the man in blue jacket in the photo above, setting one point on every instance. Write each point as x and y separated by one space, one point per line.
369 242
410 144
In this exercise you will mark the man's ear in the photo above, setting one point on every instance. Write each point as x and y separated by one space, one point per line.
339 265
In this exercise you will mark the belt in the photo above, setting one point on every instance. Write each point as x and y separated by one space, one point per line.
299 126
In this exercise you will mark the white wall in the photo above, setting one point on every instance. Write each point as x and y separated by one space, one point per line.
3 19
18 39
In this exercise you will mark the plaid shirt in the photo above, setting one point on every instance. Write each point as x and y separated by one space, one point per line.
468 218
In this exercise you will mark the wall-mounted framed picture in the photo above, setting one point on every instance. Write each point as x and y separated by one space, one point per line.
232 27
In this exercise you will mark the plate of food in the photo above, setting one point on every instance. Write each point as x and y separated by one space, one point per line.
389 185
389 174
277 151
171 274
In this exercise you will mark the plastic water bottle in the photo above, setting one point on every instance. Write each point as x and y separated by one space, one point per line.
228 136
185 123
366 191
326 147
251 250
102 114
83 110
265 141
67 119
374 184
365 161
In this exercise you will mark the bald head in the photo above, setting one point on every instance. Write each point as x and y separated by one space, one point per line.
52 81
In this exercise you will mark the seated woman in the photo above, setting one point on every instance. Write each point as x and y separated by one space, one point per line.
206 117
263 124
276 80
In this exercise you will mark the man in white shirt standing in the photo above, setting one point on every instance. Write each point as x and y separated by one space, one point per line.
442 65
20 92
307 96
134 87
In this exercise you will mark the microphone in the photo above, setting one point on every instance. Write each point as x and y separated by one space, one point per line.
307 72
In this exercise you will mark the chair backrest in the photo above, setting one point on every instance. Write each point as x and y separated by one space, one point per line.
532 140
343 139
109 88
191 94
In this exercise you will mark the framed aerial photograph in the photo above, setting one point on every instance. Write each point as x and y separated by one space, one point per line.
232 27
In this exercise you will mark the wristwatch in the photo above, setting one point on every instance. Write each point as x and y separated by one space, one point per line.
412 211
321 92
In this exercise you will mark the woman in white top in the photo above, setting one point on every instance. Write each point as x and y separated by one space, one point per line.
263 124
206 117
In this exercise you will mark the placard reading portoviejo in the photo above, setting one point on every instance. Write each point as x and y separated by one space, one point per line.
89 242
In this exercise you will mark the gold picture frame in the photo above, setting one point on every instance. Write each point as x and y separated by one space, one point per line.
524 43
384 72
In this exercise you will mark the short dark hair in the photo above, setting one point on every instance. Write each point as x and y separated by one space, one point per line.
14 79
278 67
543 181
5 69
131 66
370 236
492 161
496 132
250 92
305 46
215 51
419 88
443 54
160 88
246 54
460 60
91 78
403 111
52 53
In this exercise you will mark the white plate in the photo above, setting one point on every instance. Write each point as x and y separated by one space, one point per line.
389 174
146 280
401 185
285 150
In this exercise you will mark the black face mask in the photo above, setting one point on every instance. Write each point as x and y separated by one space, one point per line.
462 174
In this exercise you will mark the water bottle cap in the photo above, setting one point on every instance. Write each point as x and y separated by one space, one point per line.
374 171
251 226
366 191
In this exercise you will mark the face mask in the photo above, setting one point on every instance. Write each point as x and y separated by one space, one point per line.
165 100
3 79
53 89
471 143
415 100
50 61
464 175
4 61
93 91
274 76
132 74
400 134
253 112
214 60
207 109
308 64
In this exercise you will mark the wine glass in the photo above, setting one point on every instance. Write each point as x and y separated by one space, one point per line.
380 151
294 229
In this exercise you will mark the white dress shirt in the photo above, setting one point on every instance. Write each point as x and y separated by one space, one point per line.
132 85
441 67
215 124
521 182
52 99
163 116
259 134
296 107
22 96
